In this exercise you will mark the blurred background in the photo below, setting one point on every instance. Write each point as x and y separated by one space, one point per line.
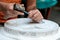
50 9
55 13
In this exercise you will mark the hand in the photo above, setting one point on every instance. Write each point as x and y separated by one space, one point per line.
8 10
35 15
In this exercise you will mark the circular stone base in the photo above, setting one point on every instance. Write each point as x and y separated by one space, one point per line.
24 27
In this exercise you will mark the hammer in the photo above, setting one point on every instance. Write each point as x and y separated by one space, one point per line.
19 8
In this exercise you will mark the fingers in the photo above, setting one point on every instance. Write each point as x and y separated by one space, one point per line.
11 5
9 12
31 13
35 15
12 13
38 17
18 13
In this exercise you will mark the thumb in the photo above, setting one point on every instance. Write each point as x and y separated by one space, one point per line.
18 13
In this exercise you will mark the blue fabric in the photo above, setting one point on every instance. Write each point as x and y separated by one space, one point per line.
45 3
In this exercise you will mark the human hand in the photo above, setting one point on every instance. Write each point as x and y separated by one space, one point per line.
8 10
35 15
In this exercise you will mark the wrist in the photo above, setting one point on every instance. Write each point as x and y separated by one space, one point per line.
32 7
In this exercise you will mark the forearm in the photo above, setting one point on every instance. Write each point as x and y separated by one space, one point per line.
31 4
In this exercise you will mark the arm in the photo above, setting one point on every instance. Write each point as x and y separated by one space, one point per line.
31 4
7 9
34 13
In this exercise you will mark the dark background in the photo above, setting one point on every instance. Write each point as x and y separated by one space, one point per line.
55 13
